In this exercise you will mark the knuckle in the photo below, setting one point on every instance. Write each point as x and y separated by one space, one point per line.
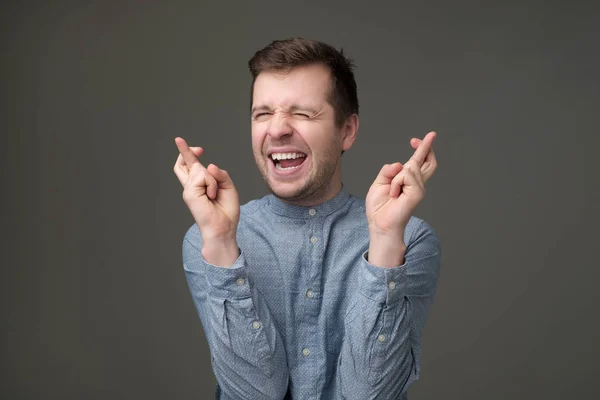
198 174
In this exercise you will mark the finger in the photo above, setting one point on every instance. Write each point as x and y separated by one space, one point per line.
200 177
387 173
180 168
181 162
221 176
424 148
197 151
415 171
429 166
189 157
415 142
211 185
404 181
396 185
181 171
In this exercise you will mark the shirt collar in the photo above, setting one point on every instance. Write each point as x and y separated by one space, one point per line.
280 207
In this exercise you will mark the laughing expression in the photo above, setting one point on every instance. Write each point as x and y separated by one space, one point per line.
296 143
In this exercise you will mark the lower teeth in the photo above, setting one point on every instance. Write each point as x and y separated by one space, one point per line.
279 167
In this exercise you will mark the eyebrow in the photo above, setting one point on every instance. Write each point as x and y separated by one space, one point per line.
292 109
302 108
259 108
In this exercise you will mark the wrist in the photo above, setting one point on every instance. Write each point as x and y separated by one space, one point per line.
220 251
386 250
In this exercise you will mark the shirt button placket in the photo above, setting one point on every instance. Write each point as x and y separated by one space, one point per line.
311 305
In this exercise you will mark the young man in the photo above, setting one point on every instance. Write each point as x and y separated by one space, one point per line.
309 292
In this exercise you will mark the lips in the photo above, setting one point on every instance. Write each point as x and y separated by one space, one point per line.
287 162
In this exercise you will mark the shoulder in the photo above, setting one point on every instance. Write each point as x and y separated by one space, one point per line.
253 206
420 234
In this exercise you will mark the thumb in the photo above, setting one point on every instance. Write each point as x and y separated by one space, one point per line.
221 176
387 173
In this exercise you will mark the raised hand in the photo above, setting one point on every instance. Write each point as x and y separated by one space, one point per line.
397 191
213 201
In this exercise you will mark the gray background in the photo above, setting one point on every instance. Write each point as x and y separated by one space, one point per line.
94 299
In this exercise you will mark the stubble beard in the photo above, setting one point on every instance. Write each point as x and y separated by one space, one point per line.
317 180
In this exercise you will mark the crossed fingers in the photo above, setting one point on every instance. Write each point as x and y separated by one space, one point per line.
424 156
189 170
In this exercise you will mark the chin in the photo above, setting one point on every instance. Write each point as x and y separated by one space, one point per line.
287 193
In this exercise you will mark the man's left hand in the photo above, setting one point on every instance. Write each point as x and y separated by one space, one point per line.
397 191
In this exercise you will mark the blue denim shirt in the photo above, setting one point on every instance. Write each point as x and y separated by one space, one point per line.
302 314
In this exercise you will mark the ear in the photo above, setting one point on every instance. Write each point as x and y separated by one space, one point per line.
349 132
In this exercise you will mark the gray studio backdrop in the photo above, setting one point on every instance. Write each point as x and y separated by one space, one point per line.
94 299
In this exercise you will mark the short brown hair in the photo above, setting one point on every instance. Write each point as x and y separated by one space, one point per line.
295 52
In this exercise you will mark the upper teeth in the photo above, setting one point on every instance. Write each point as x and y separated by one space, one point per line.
286 156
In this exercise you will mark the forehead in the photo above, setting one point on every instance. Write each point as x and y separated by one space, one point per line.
303 84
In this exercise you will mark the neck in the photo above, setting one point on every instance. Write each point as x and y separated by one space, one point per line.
318 197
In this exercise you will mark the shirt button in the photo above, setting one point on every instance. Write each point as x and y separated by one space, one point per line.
240 281
306 351
309 294
313 239
256 324
392 285
381 338
312 211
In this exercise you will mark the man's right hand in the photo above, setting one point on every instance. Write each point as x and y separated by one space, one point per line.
213 201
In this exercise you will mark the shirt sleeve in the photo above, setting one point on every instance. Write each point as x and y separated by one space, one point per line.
385 321
247 353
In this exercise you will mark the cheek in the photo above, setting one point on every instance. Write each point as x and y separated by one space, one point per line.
257 139
313 135
322 141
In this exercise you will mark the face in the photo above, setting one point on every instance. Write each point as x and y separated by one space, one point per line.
296 143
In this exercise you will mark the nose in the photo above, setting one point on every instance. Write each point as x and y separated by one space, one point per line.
278 126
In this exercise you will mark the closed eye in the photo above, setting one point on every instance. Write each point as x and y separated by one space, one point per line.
302 115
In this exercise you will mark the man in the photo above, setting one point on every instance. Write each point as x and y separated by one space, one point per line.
309 292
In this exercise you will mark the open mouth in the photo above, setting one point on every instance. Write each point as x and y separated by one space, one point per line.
287 161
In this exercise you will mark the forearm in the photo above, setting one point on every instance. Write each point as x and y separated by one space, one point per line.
386 251
382 343
248 355
249 359
377 358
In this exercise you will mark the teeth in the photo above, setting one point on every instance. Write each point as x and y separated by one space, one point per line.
287 156
279 167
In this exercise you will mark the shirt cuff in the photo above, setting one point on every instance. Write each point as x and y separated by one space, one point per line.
228 282
384 285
